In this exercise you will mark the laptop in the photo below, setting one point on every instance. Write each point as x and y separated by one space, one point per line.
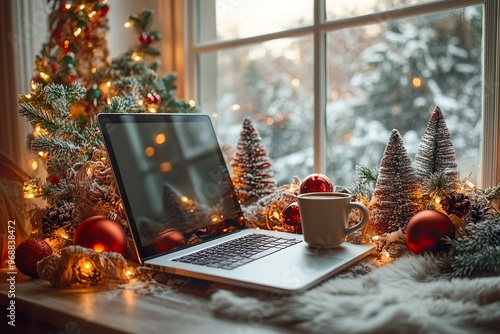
184 215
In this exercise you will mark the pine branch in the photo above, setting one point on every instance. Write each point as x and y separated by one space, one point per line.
125 104
37 116
491 193
439 184
364 182
56 147
61 98
62 191
477 250
485 262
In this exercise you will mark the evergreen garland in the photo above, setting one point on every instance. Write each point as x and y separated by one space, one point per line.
476 252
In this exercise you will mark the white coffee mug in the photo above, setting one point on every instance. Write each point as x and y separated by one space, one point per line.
325 216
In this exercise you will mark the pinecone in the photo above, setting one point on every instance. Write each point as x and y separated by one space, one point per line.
57 216
456 203
478 212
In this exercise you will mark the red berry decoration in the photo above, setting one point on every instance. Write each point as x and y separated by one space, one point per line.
316 183
143 38
102 234
55 180
290 218
426 231
104 10
153 98
28 253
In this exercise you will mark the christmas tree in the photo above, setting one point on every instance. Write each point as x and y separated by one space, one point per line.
397 191
435 153
253 175
74 81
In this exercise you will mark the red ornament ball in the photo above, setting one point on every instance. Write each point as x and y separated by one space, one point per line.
169 240
426 231
290 219
102 234
28 253
316 183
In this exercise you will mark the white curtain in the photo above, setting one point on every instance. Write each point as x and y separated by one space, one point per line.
22 31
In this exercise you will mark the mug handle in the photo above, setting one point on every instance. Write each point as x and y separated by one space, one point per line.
364 219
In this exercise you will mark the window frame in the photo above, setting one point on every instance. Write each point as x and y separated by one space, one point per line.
489 174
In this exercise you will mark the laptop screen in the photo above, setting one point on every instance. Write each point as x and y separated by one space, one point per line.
172 177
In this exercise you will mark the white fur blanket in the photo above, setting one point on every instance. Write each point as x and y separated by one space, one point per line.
408 295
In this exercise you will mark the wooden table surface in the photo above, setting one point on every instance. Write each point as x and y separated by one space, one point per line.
41 308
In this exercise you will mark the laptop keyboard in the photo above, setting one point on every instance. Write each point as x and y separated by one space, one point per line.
237 252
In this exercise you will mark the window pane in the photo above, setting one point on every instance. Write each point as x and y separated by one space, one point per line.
272 83
391 76
340 9
231 19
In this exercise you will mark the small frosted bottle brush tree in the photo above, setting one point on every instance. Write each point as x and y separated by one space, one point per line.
397 191
435 153
253 176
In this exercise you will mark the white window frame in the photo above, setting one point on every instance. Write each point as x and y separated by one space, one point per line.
489 174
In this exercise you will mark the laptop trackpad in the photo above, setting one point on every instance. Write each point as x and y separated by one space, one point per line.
311 259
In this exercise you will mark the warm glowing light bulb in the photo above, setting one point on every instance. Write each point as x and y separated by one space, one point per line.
129 273
108 84
269 121
94 70
140 102
295 82
191 103
136 56
236 107
152 110
34 165
127 24
416 82
215 114
98 248
437 199
160 138
166 167
67 6
149 151
77 32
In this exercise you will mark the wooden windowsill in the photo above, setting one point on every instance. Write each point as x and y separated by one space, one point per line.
41 308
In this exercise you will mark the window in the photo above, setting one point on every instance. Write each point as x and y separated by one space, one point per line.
326 81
